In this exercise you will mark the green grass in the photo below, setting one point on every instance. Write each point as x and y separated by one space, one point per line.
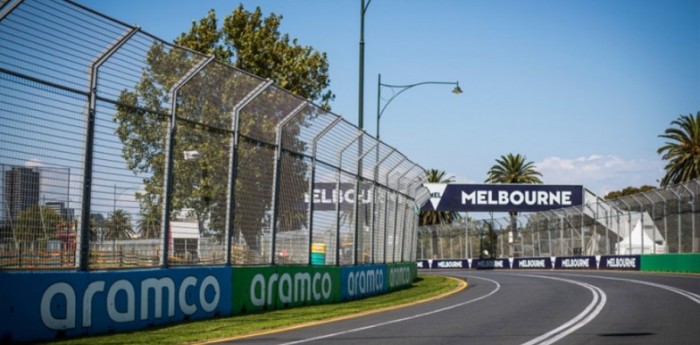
425 287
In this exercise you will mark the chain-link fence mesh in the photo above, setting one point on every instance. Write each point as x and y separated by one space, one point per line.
656 222
121 150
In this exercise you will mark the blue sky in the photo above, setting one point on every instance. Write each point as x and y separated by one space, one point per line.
582 88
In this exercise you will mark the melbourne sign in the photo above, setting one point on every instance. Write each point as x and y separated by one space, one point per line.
326 195
501 197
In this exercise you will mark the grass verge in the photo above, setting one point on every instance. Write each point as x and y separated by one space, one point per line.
425 287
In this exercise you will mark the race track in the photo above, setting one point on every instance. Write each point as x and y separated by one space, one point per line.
529 308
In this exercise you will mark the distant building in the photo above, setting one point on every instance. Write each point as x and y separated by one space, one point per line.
61 210
21 190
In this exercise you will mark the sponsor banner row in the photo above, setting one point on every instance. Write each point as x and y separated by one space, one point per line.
46 305
612 262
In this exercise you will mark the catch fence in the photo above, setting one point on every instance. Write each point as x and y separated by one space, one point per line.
660 221
121 150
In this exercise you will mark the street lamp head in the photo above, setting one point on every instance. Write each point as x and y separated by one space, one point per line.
457 90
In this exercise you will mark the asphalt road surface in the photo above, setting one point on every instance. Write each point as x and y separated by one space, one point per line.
528 308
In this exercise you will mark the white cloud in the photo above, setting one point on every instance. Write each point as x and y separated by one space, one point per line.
601 173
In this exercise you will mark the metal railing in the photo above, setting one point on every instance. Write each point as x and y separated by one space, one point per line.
120 150
656 222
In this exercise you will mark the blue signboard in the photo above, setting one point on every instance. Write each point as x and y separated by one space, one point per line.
46 305
533 263
501 197
620 262
362 281
576 262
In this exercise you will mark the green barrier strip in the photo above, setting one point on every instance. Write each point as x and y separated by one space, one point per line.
687 263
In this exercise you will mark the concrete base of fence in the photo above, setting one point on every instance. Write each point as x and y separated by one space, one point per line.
686 263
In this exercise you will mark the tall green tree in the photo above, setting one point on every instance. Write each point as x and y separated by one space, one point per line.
253 43
35 226
118 226
513 169
681 150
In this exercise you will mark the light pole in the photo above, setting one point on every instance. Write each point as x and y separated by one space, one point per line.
364 4
401 88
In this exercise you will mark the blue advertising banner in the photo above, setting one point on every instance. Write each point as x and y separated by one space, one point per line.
44 305
490 264
501 197
576 262
532 263
620 262
362 281
456 263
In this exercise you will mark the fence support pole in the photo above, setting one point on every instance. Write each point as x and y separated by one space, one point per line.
691 201
233 164
86 200
337 203
277 173
170 146
312 180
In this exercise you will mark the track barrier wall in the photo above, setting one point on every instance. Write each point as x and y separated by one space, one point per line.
44 305
687 263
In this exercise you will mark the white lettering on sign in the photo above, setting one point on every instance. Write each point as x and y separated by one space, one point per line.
302 287
532 263
622 262
530 198
490 264
322 196
94 293
575 263
365 282
399 276
450 264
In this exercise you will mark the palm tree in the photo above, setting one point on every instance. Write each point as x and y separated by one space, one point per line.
118 226
149 224
682 150
513 169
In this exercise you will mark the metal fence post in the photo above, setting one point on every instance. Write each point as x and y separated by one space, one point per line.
84 248
337 204
691 201
277 172
374 199
386 207
312 180
233 164
358 182
170 146
396 212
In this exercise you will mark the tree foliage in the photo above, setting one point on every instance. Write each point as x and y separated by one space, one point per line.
681 150
36 223
628 191
513 169
118 226
205 104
